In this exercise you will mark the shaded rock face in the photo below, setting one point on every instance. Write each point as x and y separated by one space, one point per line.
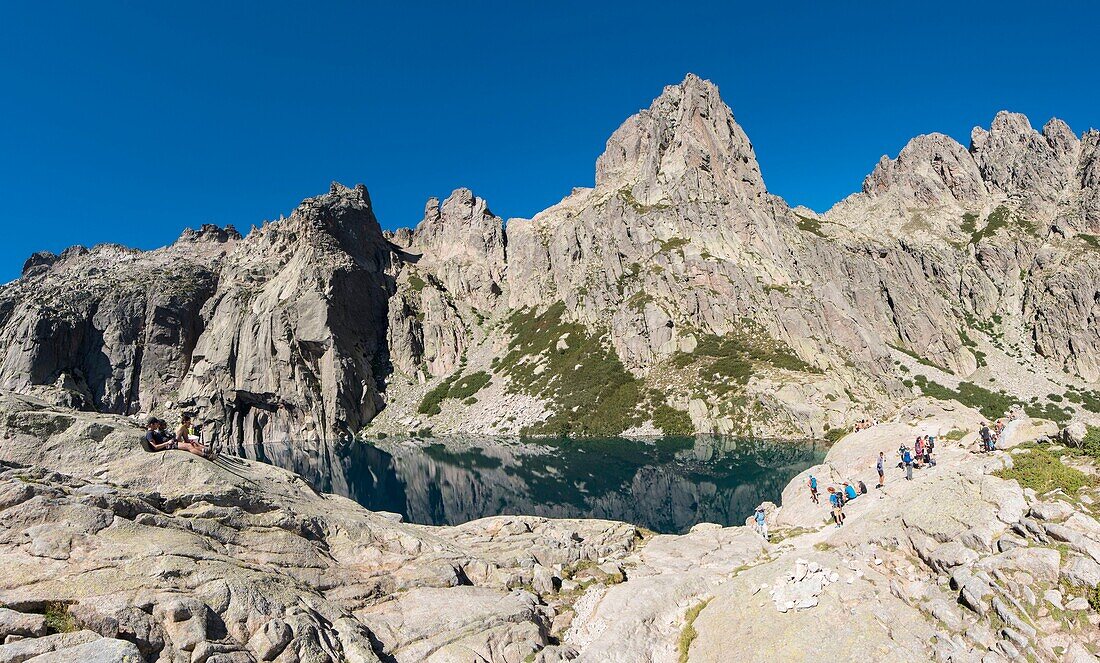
295 339
109 328
300 329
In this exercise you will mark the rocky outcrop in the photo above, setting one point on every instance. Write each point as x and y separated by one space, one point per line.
109 328
295 341
108 550
182 559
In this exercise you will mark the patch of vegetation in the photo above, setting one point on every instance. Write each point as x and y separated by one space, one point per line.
672 421
789 533
969 223
809 225
772 287
1092 240
1090 400
416 283
835 434
980 357
1043 472
954 435
674 244
456 387
59 619
638 301
991 404
997 220
469 385
688 634
986 325
430 403
641 208
590 390
1090 444
1058 415
725 364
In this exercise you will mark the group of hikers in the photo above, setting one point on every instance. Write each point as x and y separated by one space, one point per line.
920 455
988 437
838 496
185 437
863 424
917 457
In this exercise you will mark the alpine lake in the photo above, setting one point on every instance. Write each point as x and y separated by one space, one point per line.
663 484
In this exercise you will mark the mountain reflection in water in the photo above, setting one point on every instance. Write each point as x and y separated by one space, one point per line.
665 484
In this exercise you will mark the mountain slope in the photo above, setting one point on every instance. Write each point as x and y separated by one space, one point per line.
677 294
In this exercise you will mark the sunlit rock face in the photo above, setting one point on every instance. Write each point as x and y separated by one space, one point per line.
316 325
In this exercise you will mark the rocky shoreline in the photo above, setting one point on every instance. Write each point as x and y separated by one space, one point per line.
112 554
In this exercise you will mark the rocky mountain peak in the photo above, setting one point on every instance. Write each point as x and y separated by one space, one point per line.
1019 161
344 215
209 233
463 243
928 170
685 146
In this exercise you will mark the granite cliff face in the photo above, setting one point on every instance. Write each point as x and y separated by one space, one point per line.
677 294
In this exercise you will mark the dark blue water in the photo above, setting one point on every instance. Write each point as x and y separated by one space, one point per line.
666 484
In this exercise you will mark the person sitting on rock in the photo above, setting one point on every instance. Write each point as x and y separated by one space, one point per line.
155 437
849 492
187 440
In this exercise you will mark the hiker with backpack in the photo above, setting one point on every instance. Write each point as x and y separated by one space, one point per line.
761 522
849 492
813 488
838 506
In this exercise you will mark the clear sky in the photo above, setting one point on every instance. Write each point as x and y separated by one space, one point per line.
126 122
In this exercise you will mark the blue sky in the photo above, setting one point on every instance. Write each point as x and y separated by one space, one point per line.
126 122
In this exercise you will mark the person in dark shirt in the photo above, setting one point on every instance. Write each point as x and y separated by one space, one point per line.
155 437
